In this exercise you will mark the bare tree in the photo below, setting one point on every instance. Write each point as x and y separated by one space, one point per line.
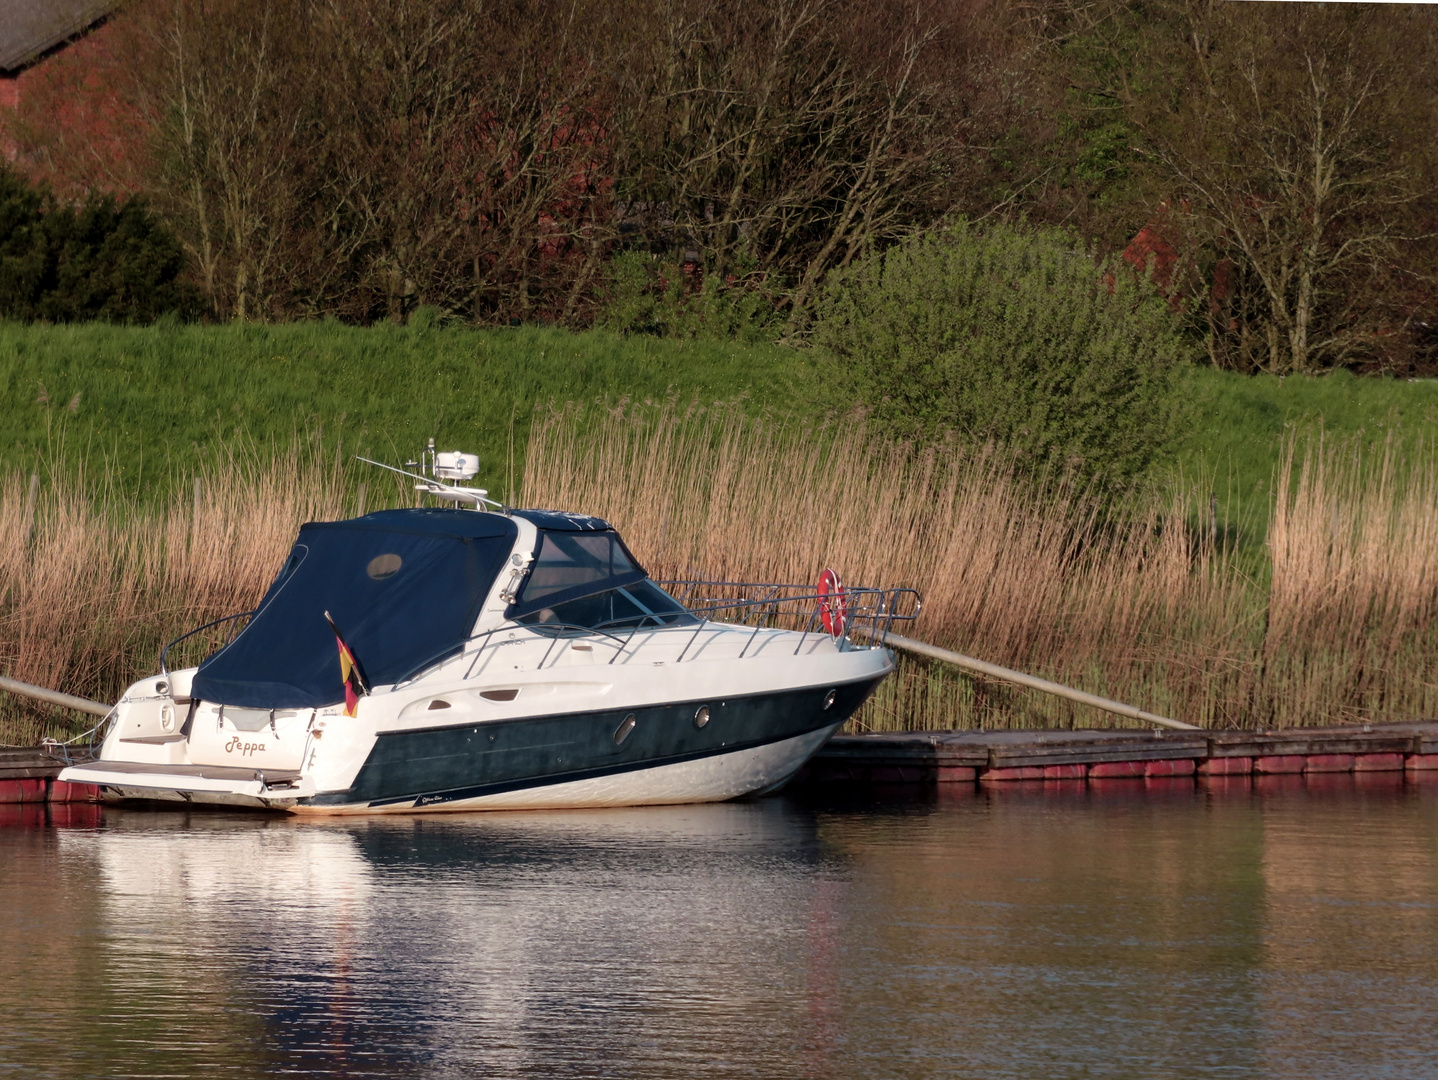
788 137
364 158
222 98
1271 139
464 179
1284 159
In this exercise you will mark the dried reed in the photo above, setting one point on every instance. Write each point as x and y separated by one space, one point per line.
1122 599
91 586
1353 606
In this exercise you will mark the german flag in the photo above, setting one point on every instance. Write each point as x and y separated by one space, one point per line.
350 673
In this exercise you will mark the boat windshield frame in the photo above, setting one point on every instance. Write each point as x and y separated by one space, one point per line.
573 547
647 617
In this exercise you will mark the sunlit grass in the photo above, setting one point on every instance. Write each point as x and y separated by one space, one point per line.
151 403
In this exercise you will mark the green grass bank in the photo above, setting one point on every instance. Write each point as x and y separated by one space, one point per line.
1237 426
1237 423
150 402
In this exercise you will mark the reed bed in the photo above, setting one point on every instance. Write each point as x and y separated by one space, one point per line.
1128 597
92 585
1134 597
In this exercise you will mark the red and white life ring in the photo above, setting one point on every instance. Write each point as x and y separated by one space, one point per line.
833 607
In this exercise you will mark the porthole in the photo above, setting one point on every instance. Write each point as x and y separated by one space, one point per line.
438 703
383 566
829 698
622 731
701 716
499 695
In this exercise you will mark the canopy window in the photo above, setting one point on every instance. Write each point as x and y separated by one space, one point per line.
405 588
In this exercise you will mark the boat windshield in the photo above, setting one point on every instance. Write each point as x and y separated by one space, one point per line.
567 562
589 579
641 604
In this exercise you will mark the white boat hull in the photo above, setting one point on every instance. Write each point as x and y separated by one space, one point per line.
711 779
512 754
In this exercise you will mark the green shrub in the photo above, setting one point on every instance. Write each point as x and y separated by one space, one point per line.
648 295
24 247
1011 334
102 260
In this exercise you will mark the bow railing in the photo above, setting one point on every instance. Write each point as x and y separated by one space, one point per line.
760 605
805 608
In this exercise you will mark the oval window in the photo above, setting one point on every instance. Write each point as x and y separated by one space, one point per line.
383 566
701 717
622 731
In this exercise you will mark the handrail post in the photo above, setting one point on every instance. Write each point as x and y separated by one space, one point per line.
808 626
469 672
625 644
758 625
692 638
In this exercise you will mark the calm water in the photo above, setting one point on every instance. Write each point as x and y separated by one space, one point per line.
1282 931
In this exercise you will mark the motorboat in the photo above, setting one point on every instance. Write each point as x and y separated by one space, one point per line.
474 656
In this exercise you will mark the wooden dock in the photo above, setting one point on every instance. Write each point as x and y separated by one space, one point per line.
28 775
968 757
986 757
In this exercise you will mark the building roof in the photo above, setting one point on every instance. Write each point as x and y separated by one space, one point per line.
30 27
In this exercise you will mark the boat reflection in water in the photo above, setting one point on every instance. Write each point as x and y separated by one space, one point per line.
536 942
1285 929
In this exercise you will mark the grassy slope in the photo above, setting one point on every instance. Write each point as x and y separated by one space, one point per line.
151 399
1238 424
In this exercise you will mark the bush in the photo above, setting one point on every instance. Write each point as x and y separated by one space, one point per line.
103 260
23 245
648 296
1009 334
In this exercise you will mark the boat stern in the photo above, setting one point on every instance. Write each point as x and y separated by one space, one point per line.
163 745
204 784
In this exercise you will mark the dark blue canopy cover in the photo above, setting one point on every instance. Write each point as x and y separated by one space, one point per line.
404 587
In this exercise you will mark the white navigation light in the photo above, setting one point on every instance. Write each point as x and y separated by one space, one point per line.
455 465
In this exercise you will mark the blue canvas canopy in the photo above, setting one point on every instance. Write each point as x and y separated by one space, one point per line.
405 588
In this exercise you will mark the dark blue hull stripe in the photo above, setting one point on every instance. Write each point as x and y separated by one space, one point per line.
565 778
432 766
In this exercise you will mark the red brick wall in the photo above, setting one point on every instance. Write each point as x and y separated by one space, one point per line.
67 121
